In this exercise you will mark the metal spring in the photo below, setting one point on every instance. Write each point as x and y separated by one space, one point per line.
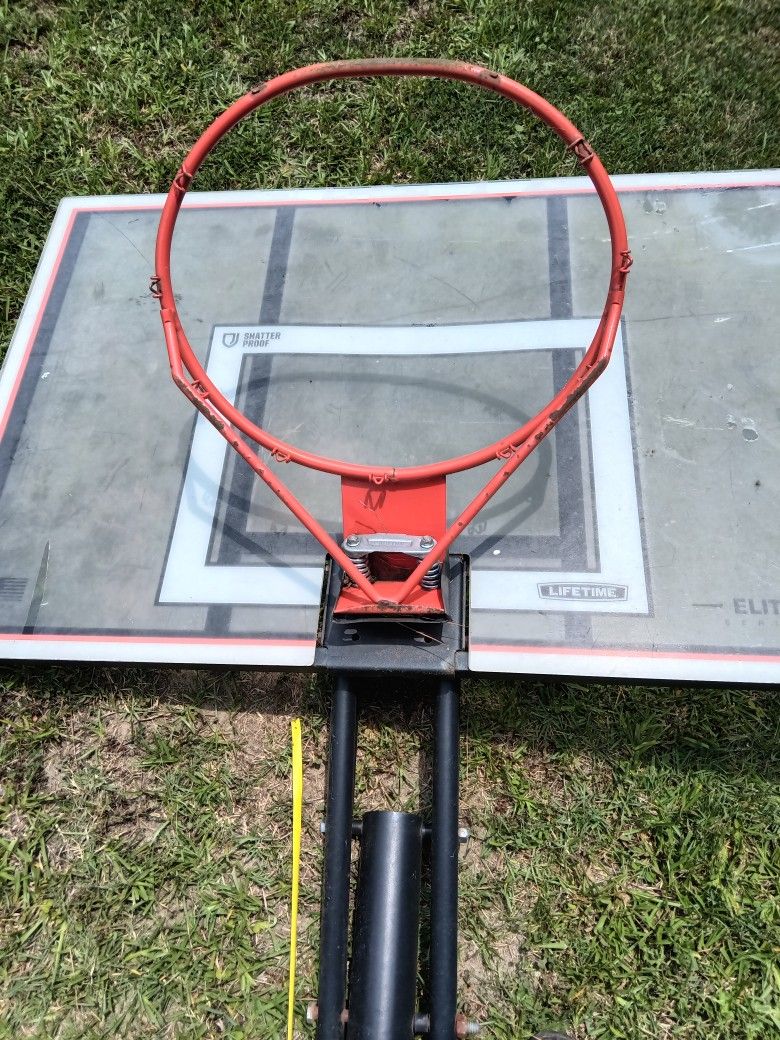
361 562
432 577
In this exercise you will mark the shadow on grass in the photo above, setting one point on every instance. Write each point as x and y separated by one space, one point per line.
724 730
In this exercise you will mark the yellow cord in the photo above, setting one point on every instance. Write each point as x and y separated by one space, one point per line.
297 791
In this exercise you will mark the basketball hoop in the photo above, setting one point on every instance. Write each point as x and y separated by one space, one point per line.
382 505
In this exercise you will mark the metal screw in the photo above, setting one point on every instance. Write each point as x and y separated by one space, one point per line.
427 541
463 835
464 1027
353 540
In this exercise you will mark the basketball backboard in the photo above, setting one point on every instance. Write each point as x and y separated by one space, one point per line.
403 325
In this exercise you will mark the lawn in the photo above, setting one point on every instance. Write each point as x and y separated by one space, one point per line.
622 879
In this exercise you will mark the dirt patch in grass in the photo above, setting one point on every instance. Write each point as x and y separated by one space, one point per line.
14 826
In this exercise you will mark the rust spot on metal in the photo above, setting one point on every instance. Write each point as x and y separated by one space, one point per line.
215 421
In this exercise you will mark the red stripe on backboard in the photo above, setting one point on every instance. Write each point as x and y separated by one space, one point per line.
617 652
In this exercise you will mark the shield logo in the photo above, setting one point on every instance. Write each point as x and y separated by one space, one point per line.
229 339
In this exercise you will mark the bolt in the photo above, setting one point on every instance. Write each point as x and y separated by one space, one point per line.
353 541
464 1027
313 1013
463 835
427 541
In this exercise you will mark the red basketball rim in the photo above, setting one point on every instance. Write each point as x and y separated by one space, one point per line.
192 379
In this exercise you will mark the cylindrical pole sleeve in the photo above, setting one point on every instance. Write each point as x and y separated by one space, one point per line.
383 971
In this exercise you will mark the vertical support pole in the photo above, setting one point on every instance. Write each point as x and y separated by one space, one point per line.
334 923
444 864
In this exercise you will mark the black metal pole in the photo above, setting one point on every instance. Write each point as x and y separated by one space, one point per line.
444 864
383 968
334 924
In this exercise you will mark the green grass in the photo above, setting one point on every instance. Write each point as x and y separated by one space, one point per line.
623 880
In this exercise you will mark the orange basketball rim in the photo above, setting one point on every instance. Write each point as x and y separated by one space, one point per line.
389 512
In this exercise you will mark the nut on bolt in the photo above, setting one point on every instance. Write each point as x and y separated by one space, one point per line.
352 541
427 541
